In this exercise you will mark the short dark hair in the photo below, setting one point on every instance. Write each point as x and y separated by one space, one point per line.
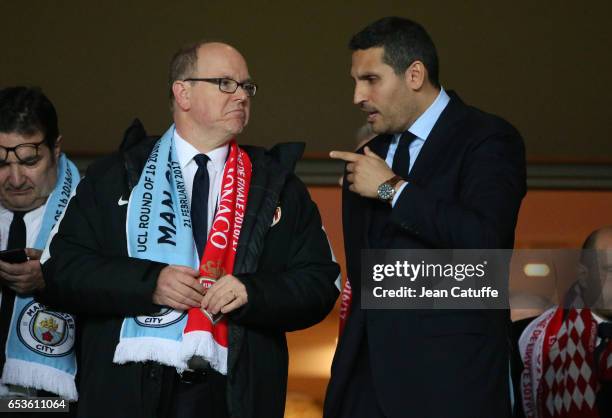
27 111
183 64
404 42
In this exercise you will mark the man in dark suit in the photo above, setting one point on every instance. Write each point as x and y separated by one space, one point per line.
440 174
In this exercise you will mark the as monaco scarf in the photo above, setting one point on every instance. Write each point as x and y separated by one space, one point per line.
346 299
559 378
159 229
40 343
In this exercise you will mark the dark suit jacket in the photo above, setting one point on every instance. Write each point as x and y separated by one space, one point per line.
464 191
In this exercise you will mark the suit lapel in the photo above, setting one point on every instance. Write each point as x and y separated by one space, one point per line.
359 209
438 140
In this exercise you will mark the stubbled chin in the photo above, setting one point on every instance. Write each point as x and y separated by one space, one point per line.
237 125
20 202
376 126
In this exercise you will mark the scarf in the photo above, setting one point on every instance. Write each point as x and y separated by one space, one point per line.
40 343
561 379
346 299
159 229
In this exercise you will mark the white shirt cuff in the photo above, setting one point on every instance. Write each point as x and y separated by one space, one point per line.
397 194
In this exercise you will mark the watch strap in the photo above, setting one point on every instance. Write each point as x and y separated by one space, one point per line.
394 180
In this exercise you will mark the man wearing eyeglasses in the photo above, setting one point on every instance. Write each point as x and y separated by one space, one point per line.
36 182
190 257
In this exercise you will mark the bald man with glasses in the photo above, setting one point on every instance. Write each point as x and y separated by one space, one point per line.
190 256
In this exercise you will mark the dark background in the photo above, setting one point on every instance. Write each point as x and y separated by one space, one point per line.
543 65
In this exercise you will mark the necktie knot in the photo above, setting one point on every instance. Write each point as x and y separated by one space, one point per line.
19 214
201 160
407 137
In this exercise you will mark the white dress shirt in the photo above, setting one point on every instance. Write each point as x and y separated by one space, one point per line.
421 128
32 220
186 153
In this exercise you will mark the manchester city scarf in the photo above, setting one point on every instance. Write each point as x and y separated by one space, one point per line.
159 229
40 343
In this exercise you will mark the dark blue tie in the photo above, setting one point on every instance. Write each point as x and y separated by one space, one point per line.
199 203
401 159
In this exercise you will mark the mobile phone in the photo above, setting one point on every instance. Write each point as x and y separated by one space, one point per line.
14 256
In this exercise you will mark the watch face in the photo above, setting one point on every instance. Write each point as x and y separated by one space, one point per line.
385 192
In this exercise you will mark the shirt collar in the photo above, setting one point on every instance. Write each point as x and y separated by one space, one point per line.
421 128
598 318
3 210
185 153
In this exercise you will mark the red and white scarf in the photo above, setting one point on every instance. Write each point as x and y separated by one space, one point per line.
346 300
203 334
559 379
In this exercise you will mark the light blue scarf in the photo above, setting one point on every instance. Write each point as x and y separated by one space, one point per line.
40 344
159 229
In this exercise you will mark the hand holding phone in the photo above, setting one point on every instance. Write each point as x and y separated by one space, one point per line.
20 270
14 256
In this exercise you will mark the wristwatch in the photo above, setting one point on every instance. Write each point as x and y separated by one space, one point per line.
386 190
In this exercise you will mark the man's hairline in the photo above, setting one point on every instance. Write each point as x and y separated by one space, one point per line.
44 140
386 62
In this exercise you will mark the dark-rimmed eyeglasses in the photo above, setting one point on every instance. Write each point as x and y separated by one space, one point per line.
25 153
229 85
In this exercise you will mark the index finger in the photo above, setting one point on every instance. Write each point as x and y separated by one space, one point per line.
186 270
345 155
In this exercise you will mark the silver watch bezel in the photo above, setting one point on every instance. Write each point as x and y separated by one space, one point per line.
385 192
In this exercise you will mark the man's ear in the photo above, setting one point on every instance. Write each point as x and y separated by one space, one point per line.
57 148
415 75
182 94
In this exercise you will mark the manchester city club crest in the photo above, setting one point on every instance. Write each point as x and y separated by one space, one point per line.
46 332
165 317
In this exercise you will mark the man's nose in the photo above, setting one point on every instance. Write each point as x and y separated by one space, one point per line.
16 176
241 94
358 95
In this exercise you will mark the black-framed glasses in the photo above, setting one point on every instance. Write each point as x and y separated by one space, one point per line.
229 85
25 153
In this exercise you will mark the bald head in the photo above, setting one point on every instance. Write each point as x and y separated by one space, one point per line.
216 59
184 62
600 239
596 258
211 50
211 91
